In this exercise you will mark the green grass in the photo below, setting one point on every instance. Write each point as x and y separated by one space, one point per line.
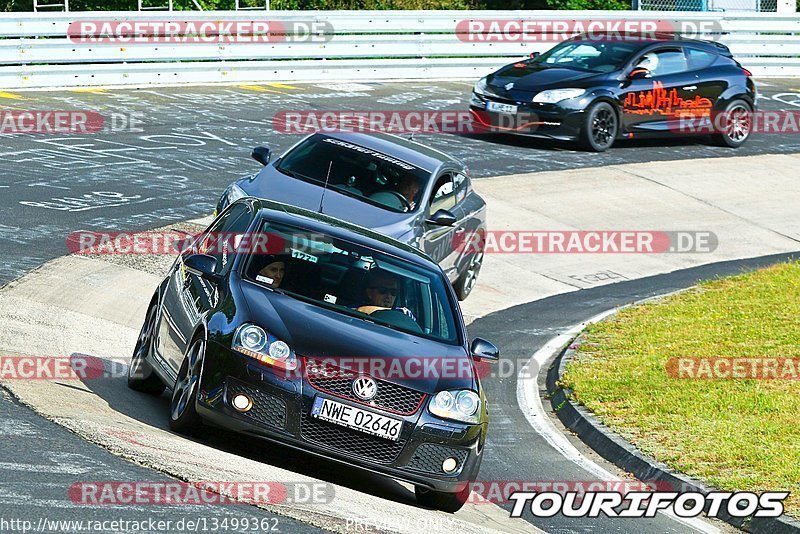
733 434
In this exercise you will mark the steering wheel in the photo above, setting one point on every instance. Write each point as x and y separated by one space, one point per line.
404 200
398 319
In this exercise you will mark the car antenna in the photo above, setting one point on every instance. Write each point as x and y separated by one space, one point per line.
325 187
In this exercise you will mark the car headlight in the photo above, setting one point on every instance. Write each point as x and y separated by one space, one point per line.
460 405
480 87
557 95
476 100
231 194
255 342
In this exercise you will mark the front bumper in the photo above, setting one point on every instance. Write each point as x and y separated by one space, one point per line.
280 413
551 121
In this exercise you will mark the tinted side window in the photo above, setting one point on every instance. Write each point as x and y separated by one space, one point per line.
670 62
219 241
699 59
461 184
663 62
444 197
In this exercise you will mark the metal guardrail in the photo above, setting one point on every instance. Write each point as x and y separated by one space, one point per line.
36 51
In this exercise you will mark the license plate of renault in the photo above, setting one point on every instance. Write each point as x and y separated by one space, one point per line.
356 418
501 108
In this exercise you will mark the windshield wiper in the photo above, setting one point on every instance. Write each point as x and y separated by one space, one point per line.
295 174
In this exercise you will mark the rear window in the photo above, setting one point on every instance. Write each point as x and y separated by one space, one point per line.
356 281
699 59
371 176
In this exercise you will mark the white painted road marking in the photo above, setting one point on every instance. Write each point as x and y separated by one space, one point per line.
530 403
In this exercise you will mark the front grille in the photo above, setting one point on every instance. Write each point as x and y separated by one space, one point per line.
390 397
501 99
429 457
267 409
349 441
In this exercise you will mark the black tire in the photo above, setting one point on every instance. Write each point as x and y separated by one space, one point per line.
437 500
600 127
183 417
738 117
141 376
466 281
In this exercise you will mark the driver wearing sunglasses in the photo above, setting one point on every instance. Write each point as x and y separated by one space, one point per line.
382 289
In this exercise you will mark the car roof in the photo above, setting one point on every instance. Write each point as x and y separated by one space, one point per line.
311 220
647 39
399 147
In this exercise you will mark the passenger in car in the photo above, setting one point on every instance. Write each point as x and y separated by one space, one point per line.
273 272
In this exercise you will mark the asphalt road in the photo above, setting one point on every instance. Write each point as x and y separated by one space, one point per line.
197 140
193 141
40 461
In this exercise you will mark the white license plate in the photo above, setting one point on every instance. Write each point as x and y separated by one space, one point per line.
501 108
357 419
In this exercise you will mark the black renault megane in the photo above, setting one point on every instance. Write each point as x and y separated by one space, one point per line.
595 90
323 336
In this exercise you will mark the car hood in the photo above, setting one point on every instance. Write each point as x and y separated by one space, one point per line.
314 331
532 78
272 184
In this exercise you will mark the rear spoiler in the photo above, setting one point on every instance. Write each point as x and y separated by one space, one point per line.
724 50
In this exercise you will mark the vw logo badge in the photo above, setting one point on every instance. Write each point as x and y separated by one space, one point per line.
365 388
509 86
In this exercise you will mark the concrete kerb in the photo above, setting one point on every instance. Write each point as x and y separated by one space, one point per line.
624 455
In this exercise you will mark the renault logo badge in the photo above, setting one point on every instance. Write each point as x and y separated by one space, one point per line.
365 388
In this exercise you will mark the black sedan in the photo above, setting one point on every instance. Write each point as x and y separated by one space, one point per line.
596 90
392 185
272 342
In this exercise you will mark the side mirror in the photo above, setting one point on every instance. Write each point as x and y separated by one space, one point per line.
483 350
202 265
534 55
261 154
442 218
638 72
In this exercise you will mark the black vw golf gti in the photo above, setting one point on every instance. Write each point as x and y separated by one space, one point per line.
596 90
322 336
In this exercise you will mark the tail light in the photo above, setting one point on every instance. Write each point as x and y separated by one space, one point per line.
747 73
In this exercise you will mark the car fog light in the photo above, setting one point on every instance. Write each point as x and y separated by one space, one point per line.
242 402
449 465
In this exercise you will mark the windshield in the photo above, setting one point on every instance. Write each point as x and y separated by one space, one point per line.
360 172
592 56
354 280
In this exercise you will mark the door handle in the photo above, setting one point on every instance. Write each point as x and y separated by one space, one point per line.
690 88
